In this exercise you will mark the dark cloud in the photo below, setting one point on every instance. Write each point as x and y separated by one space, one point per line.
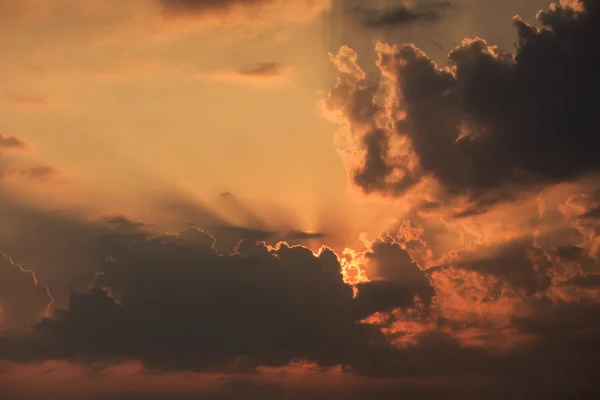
59 246
592 214
301 235
251 8
200 6
40 172
266 69
173 302
23 300
228 236
519 264
490 125
124 224
388 261
402 14
11 142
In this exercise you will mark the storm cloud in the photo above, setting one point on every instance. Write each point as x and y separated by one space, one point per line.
172 300
487 126
402 14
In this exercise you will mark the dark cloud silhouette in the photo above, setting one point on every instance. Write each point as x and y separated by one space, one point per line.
199 6
173 302
402 14
40 172
519 264
23 300
123 223
301 235
228 236
65 254
592 214
11 142
266 69
226 7
490 125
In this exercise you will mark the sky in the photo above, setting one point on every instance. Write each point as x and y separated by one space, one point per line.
299 199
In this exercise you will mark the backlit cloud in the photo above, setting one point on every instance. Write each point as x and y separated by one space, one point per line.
472 273
488 125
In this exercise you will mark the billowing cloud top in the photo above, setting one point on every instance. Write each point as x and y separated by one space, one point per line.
489 124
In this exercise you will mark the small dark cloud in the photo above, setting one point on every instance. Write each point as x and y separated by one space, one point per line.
230 7
264 70
402 14
430 205
301 235
594 213
11 142
38 172
202 6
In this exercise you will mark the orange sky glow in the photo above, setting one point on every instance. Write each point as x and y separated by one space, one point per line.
299 199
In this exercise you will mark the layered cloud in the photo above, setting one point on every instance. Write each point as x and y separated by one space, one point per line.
19 167
487 126
501 303
174 303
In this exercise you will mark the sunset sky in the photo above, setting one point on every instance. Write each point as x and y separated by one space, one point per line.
299 199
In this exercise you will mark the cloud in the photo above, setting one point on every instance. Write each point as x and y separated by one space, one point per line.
518 263
301 235
38 173
23 300
266 69
402 15
266 73
11 142
246 11
123 223
170 300
174 303
489 125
